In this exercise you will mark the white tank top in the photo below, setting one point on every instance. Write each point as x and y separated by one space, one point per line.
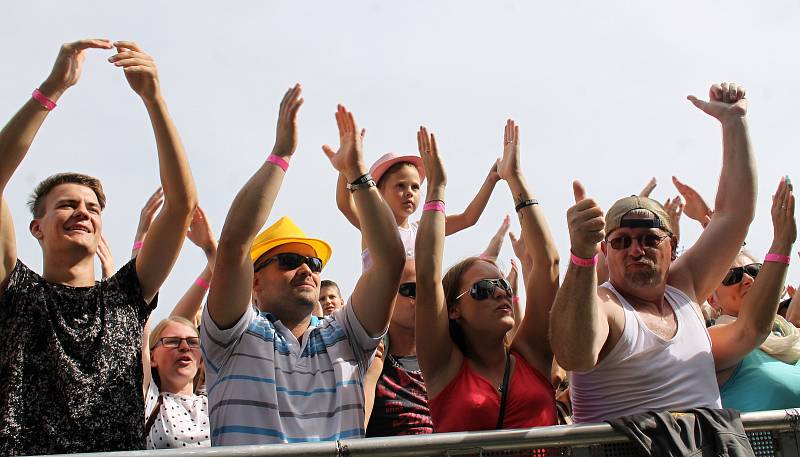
407 235
645 372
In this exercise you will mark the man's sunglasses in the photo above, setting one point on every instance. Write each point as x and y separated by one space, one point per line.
485 288
408 289
736 274
290 261
647 240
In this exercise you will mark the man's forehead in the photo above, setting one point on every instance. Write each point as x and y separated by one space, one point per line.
72 191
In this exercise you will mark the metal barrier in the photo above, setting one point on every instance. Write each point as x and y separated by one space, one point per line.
771 433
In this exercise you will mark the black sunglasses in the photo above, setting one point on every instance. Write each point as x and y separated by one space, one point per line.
290 261
736 274
647 240
408 289
485 288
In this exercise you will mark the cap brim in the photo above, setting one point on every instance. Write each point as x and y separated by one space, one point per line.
379 170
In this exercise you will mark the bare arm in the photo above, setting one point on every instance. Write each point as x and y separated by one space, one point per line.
695 207
229 297
147 377
541 284
202 236
579 322
793 312
371 383
732 342
17 136
146 217
167 232
457 222
492 251
373 296
345 203
437 354
702 267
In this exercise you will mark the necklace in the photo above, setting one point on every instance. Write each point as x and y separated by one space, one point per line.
398 364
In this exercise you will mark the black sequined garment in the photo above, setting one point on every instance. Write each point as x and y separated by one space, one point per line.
70 364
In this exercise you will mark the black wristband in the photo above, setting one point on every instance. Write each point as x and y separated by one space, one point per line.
525 203
363 182
361 179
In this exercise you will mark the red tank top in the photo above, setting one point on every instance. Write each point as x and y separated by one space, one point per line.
470 402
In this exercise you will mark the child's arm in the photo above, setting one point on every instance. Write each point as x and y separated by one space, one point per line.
457 222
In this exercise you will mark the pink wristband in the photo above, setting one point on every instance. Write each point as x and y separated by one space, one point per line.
434 205
581 262
279 161
137 245
43 100
202 283
777 258
515 300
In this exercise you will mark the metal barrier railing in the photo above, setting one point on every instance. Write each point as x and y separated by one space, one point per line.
771 433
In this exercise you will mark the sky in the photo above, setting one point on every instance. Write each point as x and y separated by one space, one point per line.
598 89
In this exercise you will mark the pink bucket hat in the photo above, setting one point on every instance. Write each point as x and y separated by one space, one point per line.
390 158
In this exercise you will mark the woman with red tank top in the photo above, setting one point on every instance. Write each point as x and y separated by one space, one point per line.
463 318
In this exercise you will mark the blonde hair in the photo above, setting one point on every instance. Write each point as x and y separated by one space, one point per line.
155 334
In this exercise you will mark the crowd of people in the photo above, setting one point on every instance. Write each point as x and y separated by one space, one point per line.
279 355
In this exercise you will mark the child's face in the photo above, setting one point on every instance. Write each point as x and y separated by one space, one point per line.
330 300
400 190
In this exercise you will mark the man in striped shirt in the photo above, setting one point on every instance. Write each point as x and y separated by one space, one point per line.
273 376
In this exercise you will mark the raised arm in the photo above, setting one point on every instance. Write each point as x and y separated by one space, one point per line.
107 267
579 321
201 235
531 340
373 296
436 352
146 217
345 203
732 342
648 188
168 230
233 270
492 251
695 207
17 136
793 313
457 222
701 268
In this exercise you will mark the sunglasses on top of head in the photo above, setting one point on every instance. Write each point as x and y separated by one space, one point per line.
736 274
646 240
485 288
408 289
290 261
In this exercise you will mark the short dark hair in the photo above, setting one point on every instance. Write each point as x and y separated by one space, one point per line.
329 283
36 200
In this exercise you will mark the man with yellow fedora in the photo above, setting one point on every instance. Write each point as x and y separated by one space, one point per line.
272 376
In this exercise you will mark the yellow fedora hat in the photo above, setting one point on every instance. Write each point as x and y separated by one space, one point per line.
286 231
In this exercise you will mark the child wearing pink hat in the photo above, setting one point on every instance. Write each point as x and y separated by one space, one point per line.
399 178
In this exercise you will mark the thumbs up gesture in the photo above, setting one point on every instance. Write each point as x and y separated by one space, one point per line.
586 223
725 101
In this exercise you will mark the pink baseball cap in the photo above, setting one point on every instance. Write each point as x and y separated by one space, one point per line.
390 158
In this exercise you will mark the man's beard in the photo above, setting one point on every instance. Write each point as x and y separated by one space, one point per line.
644 275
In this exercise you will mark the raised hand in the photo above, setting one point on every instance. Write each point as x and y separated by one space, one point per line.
434 170
106 259
508 165
648 188
586 223
349 159
201 234
725 101
695 207
68 65
286 135
140 69
492 251
493 172
520 250
674 208
148 213
783 222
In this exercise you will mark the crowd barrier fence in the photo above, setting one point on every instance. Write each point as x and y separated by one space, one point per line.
771 433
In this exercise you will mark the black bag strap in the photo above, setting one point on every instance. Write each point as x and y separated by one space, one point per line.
153 415
504 392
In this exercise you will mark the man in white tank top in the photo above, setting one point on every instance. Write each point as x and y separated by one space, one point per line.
638 342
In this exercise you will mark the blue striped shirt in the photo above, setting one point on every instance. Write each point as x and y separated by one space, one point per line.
265 387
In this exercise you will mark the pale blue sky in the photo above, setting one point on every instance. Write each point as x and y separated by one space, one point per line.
598 88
